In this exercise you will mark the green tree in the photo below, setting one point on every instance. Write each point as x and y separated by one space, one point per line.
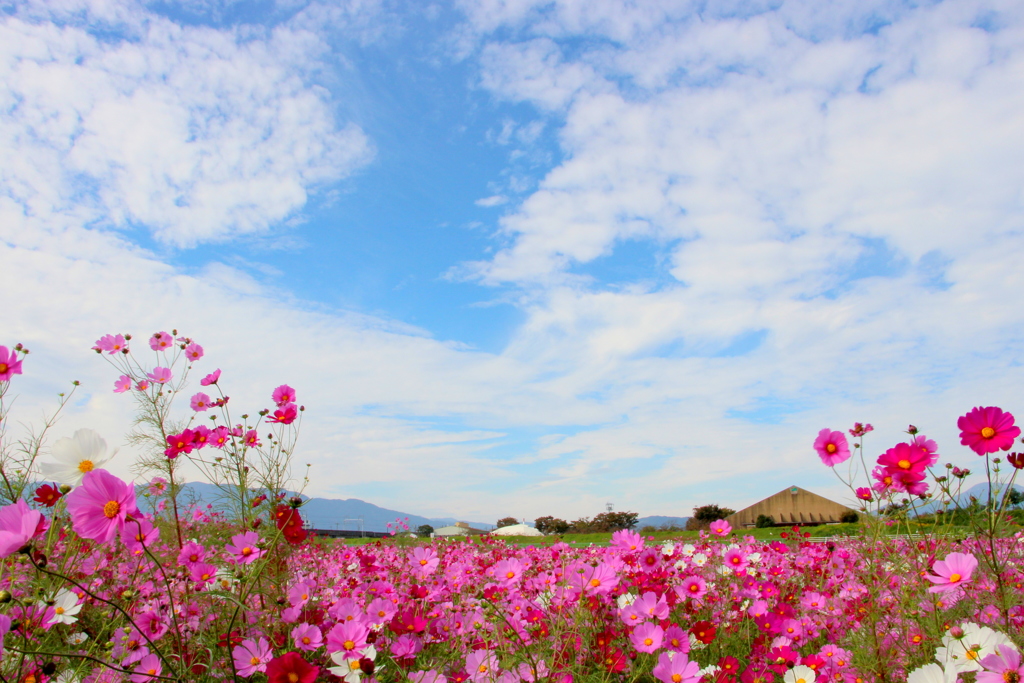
764 521
424 530
551 525
507 521
703 515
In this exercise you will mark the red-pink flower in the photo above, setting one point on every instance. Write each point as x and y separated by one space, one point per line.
952 573
987 430
100 505
283 394
832 447
291 668
180 443
9 364
864 493
18 525
905 458
285 415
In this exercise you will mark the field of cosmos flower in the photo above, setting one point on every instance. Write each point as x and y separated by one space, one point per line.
103 580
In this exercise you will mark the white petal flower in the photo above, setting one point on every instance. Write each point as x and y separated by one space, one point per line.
964 654
65 607
932 673
800 674
84 452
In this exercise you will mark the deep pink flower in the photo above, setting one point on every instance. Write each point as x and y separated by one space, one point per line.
285 415
952 573
252 439
18 525
200 402
180 443
832 447
283 394
193 352
720 527
251 656
906 458
926 446
243 548
111 343
864 493
161 341
987 430
676 668
160 375
219 437
100 506
482 665
9 364
291 668
1002 666
123 384
211 378
139 534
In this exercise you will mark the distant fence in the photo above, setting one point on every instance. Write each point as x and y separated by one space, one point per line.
347 533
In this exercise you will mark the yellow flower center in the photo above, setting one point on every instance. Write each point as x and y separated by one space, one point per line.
111 509
482 669
3 367
987 433
953 578
831 448
676 678
1010 676
904 464
306 640
85 466
595 583
152 672
510 575
58 610
293 677
800 680
254 661
349 645
648 641
972 653
354 665
423 563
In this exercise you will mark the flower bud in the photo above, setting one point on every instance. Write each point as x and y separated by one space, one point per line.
5 597
64 488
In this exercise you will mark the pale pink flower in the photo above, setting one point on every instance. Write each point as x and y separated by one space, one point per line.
193 352
160 375
481 665
243 548
123 384
720 527
832 447
251 656
952 573
676 668
147 670
200 402
161 341
111 343
18 525
647 637
1003 666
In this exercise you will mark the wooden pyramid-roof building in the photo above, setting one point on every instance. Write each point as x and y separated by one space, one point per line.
791 506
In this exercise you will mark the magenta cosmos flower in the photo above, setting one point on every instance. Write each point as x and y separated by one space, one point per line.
952 573
1003 666
100 505
720 527
987 430
676 669
18 524
9 364
243 548
831 447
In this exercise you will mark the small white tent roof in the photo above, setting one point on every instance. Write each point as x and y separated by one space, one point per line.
516 530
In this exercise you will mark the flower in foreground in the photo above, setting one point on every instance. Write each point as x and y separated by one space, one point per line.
291 668
160 375
932 673
84 452
800 674
147 670
676 667
952 573
9 364
1002 667
832 447
965 653
987 430
18 525
100 506
65 607
251 656
283 394
482 665
353 667
647 637
720 527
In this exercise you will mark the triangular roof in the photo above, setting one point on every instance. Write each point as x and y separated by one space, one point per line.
792 505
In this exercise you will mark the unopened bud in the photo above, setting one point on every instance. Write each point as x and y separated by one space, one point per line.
64 488
5 597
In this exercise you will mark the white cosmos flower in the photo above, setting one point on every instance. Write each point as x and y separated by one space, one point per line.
700 559
77 638
932 673
65 607
84 452
625 600
800 674
964 654
349 668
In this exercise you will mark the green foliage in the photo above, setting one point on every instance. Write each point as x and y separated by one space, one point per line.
551 525
507 521
705 514
424 530
849 517
764 521
605 522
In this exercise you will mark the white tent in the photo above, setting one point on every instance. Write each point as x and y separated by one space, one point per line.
516 530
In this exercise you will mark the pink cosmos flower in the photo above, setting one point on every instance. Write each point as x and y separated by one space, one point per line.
193 352
832 447
987 430
926 446
9 364
138 535
692 587
160 375
307 637
100 506
219 437
161 341
285 415
1001 667
123 384
864 493
283 394
141 385
251 656
147 670
676 668
211 378
18 525
252 439
650 606
676 639
627 540
481 665
203 572
720 527
904 457
243 548
952 573
647 637
111 343
201 436
200 402
180 443
349 637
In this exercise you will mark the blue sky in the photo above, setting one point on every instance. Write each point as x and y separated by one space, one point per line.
527 257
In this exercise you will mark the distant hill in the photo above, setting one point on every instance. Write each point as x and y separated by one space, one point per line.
332 513
659 521
979 491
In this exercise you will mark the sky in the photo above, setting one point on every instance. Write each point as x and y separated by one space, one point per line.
526 257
